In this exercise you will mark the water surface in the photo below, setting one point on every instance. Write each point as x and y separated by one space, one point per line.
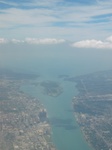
49 64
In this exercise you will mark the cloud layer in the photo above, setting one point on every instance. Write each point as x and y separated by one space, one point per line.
33 41
99 44
56 18
107 44
44 41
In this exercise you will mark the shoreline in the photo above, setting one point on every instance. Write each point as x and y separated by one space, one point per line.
24 120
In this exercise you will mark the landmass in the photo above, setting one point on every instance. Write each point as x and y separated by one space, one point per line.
24 123
93 108
63 76
51 88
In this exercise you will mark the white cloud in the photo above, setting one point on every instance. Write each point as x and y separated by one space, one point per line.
55 20
16 41
99 44
33 41
94 44
3 41
44 41
109 38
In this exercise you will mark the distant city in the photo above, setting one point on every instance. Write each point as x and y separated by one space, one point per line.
93 108
24 123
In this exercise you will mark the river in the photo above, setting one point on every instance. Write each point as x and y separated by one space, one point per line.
66 133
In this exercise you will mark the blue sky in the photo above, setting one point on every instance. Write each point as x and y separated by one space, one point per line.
73 20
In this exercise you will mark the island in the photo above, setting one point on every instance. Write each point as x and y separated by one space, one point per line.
24 122
93 108
51 88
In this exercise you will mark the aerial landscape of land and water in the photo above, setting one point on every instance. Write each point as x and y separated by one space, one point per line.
23 119
50 104
92 108
55 75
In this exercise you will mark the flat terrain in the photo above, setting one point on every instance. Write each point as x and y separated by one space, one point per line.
93 108
51 88
23 120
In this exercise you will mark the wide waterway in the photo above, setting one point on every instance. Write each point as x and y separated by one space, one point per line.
49 64
66 133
